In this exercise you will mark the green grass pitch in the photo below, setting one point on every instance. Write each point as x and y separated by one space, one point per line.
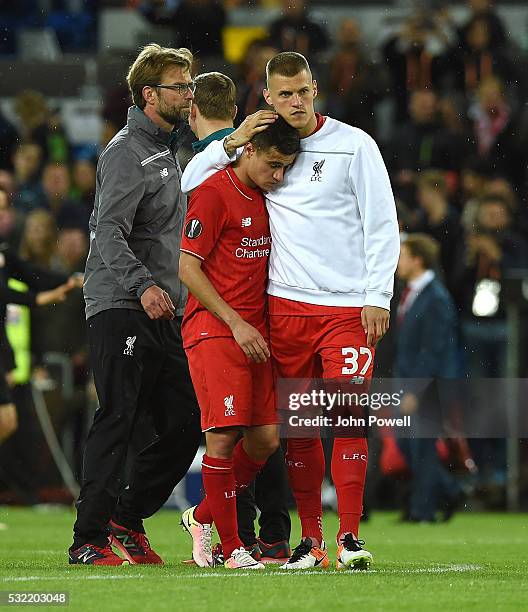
476 562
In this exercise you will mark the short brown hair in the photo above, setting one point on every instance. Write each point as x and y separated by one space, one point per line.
215 95
279 135
149 66
425 247
287 64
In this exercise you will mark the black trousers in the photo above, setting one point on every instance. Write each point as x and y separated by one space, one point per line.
20 461
269 493
138 364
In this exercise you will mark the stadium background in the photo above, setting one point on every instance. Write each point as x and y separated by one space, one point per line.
452 122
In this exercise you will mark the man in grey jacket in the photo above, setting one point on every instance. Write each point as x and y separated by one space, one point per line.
134 303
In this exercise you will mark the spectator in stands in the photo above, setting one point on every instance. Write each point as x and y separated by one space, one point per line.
294 30
471 187
355 84
488 251
416 58
56 185
499 185
252 81
11 221
42 125
483 9
7 182
420 143
198 24
39 240
72 249
496 134
437 218
27 162
83 189
19 456
477 57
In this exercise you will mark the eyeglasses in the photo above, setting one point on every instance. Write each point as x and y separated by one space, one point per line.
181 88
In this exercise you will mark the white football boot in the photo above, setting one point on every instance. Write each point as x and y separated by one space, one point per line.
241 559
201 537
351 555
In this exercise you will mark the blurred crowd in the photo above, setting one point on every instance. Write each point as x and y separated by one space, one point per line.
446 101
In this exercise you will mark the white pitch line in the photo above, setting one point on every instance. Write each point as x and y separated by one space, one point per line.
440 569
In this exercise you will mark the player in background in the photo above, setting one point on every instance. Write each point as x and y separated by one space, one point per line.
224 262
212 113
334 253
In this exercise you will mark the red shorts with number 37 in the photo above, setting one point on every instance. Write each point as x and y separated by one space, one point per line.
310 341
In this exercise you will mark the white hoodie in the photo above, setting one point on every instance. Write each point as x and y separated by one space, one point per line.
335 239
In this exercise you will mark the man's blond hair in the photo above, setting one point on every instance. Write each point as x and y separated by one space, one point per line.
149 66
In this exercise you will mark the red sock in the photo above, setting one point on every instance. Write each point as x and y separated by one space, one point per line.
246 468
202 512
219 484
349 470
306 466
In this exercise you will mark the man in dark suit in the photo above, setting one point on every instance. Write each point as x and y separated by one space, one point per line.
425 350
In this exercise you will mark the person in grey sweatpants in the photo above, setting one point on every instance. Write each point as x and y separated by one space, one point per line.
134 304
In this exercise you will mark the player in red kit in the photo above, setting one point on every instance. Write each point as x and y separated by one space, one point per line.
333 256
224 262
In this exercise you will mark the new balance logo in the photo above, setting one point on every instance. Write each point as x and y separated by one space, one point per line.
318 170
87 555
246 221
164 173
228 403
354 457
127 541
129 350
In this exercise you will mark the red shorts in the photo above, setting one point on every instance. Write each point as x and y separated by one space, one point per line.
312 345
232 390
308 344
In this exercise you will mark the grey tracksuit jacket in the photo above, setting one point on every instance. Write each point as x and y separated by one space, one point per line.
136 223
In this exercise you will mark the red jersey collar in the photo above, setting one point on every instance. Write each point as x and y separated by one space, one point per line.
320 122
246 191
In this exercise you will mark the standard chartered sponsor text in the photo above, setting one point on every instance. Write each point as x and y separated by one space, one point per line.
245 253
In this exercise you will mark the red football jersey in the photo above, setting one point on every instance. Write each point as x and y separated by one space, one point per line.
227 227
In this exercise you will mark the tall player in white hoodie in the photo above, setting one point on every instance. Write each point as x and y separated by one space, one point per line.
335 248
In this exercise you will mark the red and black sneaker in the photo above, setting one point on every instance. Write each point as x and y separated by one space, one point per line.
90 554
254 551
278 552
133 544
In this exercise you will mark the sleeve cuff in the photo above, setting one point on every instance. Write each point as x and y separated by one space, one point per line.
376 298
144 287
227 159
